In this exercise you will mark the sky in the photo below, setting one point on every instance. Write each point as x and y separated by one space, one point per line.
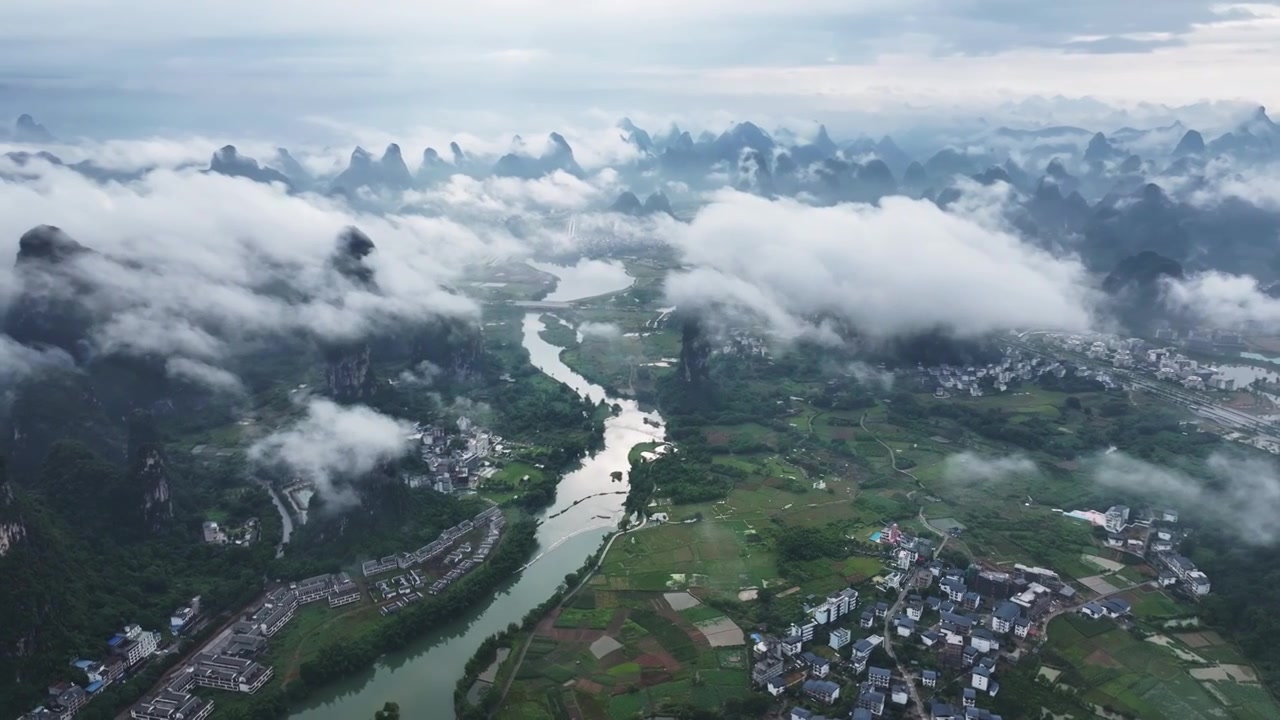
93 64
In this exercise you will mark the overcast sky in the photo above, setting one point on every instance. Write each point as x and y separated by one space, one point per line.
125 62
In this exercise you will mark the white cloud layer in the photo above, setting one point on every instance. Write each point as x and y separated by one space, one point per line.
1222 299
969 467
1241 494
332 444
900 268
192 265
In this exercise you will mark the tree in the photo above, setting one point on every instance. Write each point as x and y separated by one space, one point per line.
389 711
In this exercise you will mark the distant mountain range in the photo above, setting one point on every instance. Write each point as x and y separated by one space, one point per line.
1103 197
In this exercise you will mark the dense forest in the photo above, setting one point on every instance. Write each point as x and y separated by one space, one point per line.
88 566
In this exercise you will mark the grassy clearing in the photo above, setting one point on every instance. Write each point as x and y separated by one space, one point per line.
714 552
574 618
700 613
1156 604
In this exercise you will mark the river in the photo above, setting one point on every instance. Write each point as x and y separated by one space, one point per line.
422 678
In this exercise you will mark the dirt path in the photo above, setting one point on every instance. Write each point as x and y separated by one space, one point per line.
1071 608
916 700
515 670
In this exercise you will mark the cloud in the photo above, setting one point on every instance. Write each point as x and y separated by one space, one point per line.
201 266
971 468
17 360
1116 44
1225 179
333 444
1241 494
480 413
1222 299
211 377
900 268
500 196
422 375
603 331
872 377
370 64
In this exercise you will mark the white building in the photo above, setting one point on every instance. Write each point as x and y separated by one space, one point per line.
839 638
134 644
1117 516
980 678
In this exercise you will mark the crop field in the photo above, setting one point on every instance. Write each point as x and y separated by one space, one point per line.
1147 679
657 655
688 554
1154 604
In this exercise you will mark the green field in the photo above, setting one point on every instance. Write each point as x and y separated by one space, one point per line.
588 619
663 660
1155 604
1113 669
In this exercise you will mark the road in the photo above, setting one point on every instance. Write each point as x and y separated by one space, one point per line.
214 637
1072 608
907 582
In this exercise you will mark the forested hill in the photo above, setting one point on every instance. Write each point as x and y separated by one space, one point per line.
91 559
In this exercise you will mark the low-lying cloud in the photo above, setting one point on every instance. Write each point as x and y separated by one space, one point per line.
194 266
1241 494
972 468
17 360
332 444
600 330
1222 299
900 268
204 374
872 377
423 374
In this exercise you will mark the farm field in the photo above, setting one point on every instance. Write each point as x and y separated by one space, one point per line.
1157 678
649 656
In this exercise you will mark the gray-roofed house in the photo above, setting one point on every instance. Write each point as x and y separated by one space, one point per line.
823 691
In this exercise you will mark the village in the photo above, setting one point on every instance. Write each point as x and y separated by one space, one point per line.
961 626
230 661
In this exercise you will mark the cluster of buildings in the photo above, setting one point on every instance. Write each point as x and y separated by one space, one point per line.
1204 341
466 563
1180 569
781 662
1162 363
215 534
126 651
460 561
398 591
969 620
454 461
1153 535
229 662
1014 366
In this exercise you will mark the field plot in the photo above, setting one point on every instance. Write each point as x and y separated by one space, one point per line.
648 654
1156 678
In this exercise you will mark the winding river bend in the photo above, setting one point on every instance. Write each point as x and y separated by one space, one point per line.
422 678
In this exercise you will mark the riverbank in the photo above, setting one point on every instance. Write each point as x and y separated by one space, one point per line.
588 506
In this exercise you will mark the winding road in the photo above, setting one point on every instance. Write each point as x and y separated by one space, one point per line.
907 581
